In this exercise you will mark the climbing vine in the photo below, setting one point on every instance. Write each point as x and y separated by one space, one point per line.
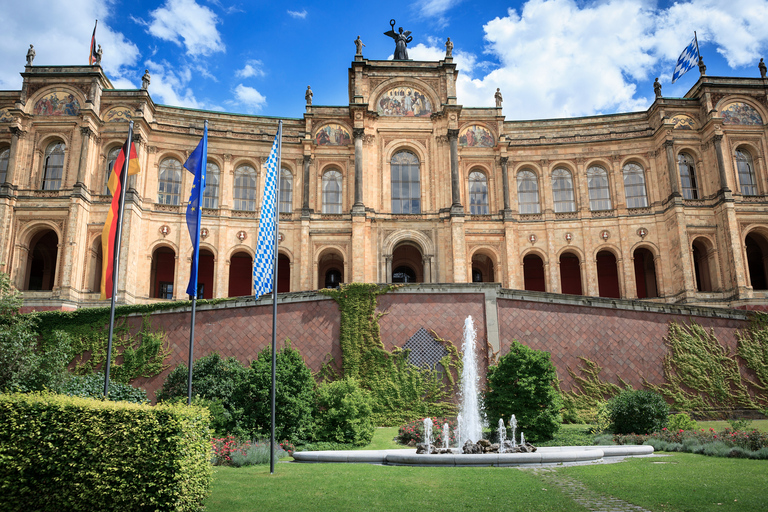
590 390
401 391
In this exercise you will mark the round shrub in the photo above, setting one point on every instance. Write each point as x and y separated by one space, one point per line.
681 422
637 412
92 386
294 401
523 384
218 383
344 413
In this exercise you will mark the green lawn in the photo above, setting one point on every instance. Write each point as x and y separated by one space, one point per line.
383 439
677 483
761 425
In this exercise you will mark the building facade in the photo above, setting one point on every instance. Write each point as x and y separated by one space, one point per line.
402 184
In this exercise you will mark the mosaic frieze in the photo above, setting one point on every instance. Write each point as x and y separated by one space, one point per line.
332 135
57 104
683 122
118 114
5 115
476 136
740 113
404 101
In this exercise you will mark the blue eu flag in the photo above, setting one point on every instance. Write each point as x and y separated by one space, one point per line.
196 164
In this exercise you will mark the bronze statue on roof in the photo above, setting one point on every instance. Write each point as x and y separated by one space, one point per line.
401 40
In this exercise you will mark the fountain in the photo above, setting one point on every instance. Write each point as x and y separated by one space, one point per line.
472 450
471 426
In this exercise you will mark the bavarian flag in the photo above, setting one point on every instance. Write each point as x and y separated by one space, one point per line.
114 216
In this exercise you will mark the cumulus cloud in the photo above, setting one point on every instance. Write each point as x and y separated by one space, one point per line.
170 85
298 14
252 68
187 23
562 58
253 100
62 36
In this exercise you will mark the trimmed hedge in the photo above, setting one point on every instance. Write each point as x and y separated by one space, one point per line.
61 453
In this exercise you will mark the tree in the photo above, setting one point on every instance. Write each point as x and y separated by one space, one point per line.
523 384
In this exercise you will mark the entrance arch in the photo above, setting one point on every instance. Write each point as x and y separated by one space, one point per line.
645 274
205 274
240 275
703 264
757 251
570 274
533 273
95 266
330 269
41 265
483 268
163 273
607 275
407 264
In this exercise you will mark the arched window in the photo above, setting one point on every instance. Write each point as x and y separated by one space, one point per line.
211 191
687 176
747 182
332 192
406 184
169 184
54 166
478 193
562 188
528 193
599 193
111 158
634 186
5 154
286 191
245 188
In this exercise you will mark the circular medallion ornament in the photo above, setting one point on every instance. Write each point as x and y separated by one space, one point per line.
280 238
568 237
605 235
204 233
532 238
165 230
642 232
242 235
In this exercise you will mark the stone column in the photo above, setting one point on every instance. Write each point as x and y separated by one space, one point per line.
16 134
672 168
388 262
505 184
425 268
358 134
453 139
305 193
717 140
84 143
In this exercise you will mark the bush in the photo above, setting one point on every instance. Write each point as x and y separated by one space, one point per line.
343 413
63 453
638 412
294 402
92 386
523 384
681 421
219 383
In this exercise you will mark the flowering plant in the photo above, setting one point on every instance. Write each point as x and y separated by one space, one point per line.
749 440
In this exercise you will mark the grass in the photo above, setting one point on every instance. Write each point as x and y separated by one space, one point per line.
360 487
383 439
761 425
681 482
678 483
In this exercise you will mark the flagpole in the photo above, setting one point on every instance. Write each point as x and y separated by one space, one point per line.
697 43
116 260
274 300
196 258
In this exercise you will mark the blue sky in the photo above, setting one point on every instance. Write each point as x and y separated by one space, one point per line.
550 58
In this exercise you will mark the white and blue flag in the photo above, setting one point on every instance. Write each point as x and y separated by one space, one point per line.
687 60
263 263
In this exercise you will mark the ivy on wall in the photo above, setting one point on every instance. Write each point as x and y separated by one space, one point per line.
401 391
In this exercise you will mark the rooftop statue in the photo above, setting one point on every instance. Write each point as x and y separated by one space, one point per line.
31 55
358 46
401 40
760 66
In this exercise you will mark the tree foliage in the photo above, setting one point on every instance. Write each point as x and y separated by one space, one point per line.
523 384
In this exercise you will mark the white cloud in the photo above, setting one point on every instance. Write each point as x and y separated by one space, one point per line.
187 20
170 85
250 97
436 8
561 58
252 68
298 14
61 37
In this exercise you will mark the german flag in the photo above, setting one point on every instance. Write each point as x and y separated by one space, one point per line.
92 55
114 216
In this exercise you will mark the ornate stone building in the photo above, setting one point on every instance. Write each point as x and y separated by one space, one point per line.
402 184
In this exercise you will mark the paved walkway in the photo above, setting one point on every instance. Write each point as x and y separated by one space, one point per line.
587 498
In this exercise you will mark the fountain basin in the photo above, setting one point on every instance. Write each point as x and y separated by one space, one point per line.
545 455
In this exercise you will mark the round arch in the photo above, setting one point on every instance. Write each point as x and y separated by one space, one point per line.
484 267
391 83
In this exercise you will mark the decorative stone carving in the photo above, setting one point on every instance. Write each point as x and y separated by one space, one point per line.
241 235
164 230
